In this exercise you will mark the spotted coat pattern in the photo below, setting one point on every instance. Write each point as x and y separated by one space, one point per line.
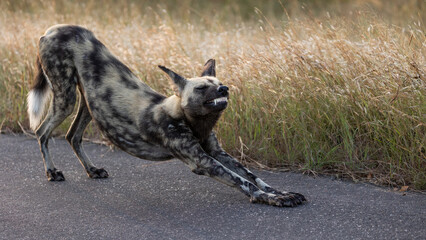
133 116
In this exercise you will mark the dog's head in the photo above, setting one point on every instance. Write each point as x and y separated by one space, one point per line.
201 96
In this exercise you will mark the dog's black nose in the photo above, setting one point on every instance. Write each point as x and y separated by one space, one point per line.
223 90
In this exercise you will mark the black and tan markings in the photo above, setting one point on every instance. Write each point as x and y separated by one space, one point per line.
134 117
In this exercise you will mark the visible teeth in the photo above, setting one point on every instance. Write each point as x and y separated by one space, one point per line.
218 100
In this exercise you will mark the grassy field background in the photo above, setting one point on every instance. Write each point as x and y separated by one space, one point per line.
335 87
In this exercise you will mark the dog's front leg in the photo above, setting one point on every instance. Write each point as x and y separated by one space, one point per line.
191 152
212 146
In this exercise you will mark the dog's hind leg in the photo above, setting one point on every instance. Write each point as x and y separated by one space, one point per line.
62 105
55 76
75 135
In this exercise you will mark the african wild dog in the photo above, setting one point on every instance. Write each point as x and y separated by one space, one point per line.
131 115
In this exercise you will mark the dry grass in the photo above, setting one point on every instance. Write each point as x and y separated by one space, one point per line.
332 92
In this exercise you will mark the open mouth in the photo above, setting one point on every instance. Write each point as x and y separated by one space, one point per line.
217 101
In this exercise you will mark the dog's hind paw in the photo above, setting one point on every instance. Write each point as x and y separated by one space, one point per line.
280 200
54 175
97 173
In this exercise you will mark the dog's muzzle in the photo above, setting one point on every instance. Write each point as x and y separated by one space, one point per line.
221 100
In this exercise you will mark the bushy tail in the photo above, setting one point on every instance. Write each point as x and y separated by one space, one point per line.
38 96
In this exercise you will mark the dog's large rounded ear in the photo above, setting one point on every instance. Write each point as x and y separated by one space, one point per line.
209 68
179 81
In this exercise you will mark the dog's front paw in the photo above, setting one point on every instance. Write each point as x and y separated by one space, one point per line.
298 196
54 175
280 200
97 173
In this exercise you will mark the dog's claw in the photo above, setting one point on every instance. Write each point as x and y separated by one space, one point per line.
97 173
299 196
54 175
290 199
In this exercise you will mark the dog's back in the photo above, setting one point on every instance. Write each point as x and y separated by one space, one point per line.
72 56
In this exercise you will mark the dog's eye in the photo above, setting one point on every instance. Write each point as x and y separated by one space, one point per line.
202 87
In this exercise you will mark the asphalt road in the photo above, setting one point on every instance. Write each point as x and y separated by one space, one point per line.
164 200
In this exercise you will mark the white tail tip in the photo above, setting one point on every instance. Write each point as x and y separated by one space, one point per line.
36 103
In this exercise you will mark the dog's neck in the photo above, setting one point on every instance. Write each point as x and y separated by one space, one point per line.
203 125
172 106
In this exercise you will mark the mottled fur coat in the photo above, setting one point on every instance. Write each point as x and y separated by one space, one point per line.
133 116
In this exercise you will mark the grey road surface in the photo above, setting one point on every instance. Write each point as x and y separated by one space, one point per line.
164 200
